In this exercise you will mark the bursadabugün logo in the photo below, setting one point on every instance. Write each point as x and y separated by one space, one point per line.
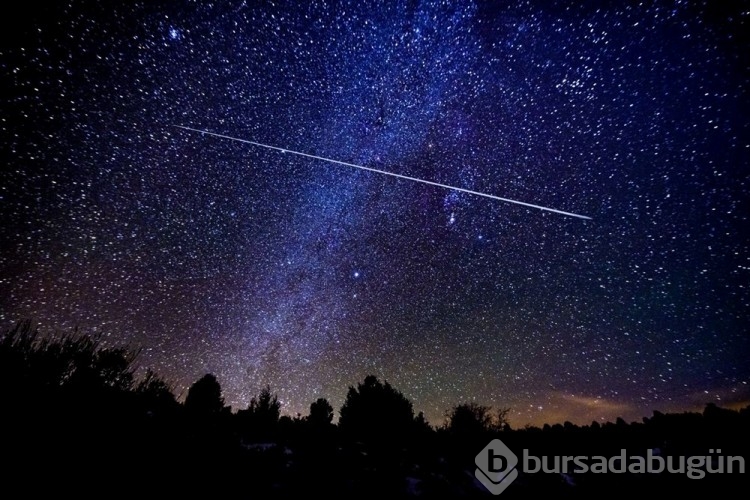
497 465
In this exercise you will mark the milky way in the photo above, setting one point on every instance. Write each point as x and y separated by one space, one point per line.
270 268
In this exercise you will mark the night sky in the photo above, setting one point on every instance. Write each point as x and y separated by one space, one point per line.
265 267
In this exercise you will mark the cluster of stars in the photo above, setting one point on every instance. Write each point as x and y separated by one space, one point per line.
267 268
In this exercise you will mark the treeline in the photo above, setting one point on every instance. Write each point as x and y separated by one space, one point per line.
75 375
75 412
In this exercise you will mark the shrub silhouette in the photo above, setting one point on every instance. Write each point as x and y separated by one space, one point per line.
67 392
70 368
155 393
475 419
375 410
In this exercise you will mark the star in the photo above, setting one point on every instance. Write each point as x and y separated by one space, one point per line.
265 266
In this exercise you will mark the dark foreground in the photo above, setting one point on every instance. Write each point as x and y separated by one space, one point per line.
75 419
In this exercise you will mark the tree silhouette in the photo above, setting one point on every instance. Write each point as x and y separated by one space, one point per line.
375 410
204 396
265 407
261 417
321 413
421 424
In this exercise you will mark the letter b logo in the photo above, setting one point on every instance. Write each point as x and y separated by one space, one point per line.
496 466
497 463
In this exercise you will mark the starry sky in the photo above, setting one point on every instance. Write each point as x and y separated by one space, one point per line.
270 268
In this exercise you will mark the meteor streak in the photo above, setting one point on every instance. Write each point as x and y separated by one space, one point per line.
399 176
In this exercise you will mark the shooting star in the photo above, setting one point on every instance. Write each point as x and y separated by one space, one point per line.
384 172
